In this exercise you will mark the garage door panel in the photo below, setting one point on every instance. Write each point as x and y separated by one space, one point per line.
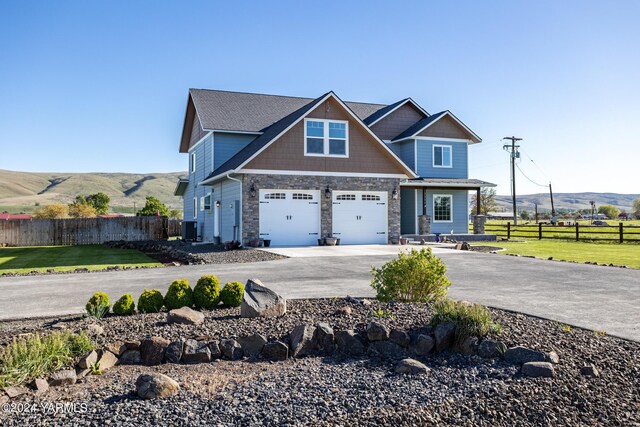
290 217
360 217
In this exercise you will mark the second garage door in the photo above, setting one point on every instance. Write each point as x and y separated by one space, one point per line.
360 217
290 217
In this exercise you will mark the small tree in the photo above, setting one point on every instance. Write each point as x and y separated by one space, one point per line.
153 207
525 214
609 210
636 208
175 214
487 200
100 202
81 210
56 210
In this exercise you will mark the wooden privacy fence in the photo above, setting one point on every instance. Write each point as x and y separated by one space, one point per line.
619 233
82 231
175 227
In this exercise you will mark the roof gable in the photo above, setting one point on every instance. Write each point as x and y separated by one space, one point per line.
277 130
420 128
384 112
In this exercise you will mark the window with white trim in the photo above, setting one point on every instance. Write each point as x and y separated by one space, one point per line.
192 166
278 196
302 196
202 204
346 197
441 156
442 208
195 208
326 138
206 202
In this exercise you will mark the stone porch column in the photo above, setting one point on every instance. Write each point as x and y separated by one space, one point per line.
478 224
424 225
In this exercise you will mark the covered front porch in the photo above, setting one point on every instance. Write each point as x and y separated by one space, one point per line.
432 208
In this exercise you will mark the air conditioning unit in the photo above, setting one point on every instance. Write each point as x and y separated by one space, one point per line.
190 231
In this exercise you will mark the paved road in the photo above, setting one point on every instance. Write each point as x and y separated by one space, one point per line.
588 296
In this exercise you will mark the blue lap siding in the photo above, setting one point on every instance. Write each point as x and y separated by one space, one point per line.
459 159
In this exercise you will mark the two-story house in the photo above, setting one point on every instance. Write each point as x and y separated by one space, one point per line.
293 170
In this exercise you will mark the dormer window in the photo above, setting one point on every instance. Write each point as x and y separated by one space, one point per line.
326 138
441 156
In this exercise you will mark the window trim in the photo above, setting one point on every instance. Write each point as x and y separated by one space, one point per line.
193 163
195 208
205 206
433 208
326 138
433 156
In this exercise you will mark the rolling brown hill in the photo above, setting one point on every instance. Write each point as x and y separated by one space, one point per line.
25 191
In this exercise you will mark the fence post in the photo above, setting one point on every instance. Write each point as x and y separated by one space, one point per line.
577 231
508 230
621 227
539 231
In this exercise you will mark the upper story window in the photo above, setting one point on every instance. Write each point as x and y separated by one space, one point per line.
442 208
192 164
441 156
326 138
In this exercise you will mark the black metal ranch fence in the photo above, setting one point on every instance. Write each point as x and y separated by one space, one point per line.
620 233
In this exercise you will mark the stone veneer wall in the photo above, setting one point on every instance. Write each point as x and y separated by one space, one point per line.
250 205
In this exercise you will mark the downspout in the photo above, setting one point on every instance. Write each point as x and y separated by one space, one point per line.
241 197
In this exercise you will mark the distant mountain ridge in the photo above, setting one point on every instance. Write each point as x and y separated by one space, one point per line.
21 191
573 201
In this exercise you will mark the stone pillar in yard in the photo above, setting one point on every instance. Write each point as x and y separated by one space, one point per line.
478 224
424 225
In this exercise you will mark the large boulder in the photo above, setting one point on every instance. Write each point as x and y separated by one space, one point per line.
88 360
519 355
107 360
385 349
252 345
185 316
350 343
231 349
130 357
260 301
377 331
173 353
400 337
538 369
411 366
444 334
301 339
152 350
155 385
491 348
424 345
64 377
324 338
196 352
275 351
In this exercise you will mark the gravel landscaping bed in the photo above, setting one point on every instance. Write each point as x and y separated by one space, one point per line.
460 390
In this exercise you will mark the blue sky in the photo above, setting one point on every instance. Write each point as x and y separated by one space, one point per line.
102 86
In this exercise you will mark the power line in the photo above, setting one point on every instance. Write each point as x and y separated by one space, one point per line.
529 179
536 165
513 149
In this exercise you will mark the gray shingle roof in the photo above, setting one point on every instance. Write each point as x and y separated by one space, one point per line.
253 112
262 140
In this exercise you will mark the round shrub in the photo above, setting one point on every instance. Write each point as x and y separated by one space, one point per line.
179 295
231 294
98 302
417 276
151 301
124 306
206 293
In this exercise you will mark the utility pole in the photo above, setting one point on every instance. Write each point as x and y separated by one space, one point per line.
553 210
513 149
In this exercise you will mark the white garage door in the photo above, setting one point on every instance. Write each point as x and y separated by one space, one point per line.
360 217
290 217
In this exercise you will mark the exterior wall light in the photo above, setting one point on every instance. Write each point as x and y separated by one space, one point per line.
217 203
327 192
394 194
252 190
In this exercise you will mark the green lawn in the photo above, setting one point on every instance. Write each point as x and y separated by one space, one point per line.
602 253
64 258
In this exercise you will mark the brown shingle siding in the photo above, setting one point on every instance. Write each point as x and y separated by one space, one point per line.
446 127
396 122
196 132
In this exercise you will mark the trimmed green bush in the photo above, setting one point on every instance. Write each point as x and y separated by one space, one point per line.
231 294
124 306
36 356
417 276
206 293
471 320
98 305
179 295
150 301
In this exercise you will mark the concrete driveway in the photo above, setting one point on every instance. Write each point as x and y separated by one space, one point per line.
593 297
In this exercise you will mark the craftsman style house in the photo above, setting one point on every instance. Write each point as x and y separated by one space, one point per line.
293 170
